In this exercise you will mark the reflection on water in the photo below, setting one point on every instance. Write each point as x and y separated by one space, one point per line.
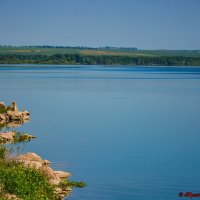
130 133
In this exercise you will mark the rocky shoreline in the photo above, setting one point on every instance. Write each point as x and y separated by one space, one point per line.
56 178
11 113
14 137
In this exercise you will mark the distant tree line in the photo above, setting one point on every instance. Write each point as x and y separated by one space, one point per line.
61 47
70 47
99 60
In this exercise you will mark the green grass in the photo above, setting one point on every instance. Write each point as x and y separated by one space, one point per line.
3 152
25 182
3 110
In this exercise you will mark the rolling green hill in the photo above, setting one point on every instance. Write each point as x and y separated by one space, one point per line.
48 50
104 56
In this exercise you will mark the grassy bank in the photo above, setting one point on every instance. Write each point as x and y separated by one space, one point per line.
24 182
27 182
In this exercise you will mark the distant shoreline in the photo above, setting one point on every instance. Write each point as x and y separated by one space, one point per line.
97 56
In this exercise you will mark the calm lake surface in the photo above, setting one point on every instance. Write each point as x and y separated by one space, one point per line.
130 133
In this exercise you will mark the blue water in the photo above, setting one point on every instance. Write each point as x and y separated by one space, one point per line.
129 132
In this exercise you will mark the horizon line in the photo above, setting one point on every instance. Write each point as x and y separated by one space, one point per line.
98 47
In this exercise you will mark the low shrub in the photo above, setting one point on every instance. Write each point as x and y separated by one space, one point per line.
25 182
3 152
72 184
3 110
22 137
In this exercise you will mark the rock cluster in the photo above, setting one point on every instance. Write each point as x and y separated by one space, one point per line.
11 197
7 137
55 177
11 137
12 114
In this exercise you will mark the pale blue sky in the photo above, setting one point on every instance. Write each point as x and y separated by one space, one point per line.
146 24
